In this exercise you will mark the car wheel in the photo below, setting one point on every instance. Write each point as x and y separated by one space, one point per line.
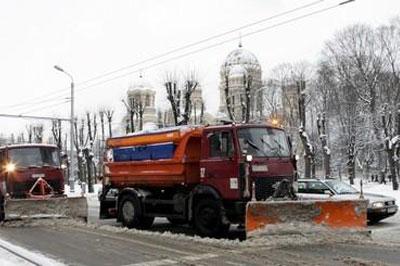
208 218
373 221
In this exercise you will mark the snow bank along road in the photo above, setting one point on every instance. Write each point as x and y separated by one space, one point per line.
73 243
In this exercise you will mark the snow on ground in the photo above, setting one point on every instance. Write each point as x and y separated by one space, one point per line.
78 191
8 256
382 189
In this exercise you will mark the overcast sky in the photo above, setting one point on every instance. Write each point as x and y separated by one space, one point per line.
90 38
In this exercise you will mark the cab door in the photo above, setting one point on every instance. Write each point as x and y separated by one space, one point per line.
219 163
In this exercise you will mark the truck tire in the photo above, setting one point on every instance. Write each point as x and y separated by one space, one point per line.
131 214
2 214
208 218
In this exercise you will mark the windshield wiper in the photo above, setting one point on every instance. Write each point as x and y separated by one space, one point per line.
273 149
281 148
33 166
255 147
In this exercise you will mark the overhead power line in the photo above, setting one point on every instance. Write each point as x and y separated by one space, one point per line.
212 45
46 98
34 117
217 44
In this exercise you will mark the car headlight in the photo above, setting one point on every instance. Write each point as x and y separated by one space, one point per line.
378 205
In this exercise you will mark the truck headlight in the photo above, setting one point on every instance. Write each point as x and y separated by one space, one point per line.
249 158
10 167
378 204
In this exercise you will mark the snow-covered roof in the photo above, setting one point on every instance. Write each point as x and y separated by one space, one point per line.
241 56
237 71
140 84
24 145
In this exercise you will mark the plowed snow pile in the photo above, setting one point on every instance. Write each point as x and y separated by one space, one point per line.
272 236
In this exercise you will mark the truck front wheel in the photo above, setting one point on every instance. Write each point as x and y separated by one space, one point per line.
131 214
208 218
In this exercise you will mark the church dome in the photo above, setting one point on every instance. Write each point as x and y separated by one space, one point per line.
237 71
242 57
140 84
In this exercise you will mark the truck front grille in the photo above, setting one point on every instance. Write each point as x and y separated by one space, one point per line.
20 189
265 186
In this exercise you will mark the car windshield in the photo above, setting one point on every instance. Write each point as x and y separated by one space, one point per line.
341 187
34 156
263 142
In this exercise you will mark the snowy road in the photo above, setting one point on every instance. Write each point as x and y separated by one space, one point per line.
106 243
79 245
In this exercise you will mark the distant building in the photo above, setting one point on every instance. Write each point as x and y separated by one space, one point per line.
142 93
239 65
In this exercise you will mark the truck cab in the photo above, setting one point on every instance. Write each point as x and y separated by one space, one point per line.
241 160
23 164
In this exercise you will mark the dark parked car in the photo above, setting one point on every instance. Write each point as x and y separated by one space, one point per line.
379 206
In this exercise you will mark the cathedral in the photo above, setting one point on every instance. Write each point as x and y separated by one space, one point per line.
239 65
142 93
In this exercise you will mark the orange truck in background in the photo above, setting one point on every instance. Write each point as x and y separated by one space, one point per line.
203 175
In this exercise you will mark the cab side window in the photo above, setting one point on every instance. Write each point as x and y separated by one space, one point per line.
220 144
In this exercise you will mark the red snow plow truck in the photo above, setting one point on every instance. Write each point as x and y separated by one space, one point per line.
32 184
211 177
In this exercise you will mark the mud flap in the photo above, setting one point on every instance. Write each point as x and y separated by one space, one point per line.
108 209
62 207
335 214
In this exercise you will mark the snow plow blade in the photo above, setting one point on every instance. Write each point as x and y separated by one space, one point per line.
334 214
62 207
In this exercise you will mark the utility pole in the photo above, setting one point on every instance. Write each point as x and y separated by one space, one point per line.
72 164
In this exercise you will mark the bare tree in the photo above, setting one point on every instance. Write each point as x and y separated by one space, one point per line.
173 96
321 124
38 133
248 84
56 130
88 150
181 96
309 153
189 87
228 102
109 114
392 141
29 130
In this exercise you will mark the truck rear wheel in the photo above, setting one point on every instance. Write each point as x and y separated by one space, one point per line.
131 214
208 218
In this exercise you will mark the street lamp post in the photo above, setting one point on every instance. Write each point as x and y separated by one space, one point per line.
72 161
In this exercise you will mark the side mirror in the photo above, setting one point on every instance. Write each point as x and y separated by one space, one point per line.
328 192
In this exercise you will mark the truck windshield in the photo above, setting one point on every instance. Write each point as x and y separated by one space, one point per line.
263 142
34 157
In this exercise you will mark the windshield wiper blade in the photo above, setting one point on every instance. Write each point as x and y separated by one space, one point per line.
273 149
255 147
